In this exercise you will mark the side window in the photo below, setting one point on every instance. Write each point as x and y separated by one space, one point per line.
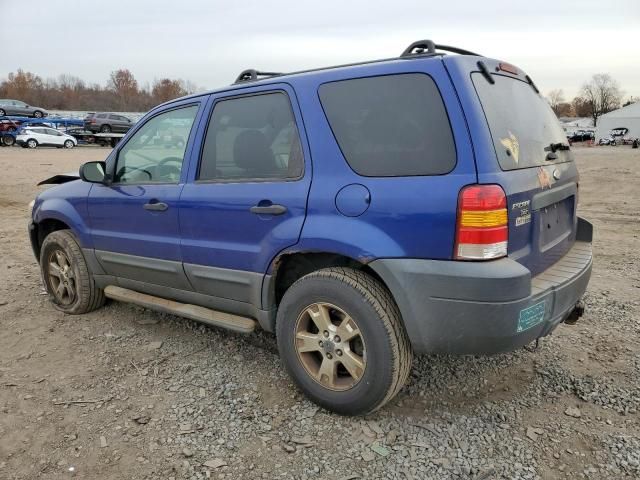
390 126
252 138
154 154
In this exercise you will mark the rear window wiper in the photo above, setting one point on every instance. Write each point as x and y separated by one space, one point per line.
554 147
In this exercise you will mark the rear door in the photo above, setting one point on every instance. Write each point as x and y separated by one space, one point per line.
246 198
527 153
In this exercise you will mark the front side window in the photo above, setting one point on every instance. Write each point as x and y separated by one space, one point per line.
155 153
390 126
252 138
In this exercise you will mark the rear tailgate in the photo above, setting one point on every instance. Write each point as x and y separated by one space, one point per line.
522 147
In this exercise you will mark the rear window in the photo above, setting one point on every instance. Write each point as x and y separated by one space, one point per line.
521 122
390 126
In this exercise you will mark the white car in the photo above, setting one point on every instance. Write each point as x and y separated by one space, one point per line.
32 137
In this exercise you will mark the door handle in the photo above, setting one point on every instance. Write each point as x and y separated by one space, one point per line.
155 206
268 209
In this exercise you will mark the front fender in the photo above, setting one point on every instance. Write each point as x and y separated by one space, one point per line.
68 211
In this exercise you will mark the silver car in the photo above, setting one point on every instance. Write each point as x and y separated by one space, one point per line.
16 107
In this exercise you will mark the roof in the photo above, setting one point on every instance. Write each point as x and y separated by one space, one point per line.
250 77
630 111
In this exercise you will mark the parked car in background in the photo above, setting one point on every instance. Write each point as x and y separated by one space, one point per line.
81 134
8 125
106 122
16 107
582 136
33 137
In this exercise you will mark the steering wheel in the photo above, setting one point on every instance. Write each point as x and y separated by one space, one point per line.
170 170
124 169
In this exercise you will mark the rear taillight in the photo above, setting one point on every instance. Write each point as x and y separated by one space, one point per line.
482 228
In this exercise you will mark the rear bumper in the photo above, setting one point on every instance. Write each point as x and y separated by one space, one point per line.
485 307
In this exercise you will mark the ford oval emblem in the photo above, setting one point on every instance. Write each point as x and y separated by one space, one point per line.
556 174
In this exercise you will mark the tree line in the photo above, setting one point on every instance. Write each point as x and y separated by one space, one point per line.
121 93
600 95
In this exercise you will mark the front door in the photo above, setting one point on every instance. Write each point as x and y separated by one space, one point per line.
134 220
245 200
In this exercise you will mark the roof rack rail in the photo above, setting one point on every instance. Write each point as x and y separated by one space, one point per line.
428 47
251 75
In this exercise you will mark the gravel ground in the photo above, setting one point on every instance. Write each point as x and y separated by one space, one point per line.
128 393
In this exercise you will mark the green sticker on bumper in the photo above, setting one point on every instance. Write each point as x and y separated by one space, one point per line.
531 316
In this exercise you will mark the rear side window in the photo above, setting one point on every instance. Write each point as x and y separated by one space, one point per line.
390 126
252 138
523 126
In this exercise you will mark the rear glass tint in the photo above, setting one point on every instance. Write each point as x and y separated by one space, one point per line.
390 126
521 121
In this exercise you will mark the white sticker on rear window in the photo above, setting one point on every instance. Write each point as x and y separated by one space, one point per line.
512 145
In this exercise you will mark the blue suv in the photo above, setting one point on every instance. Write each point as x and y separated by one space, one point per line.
363 213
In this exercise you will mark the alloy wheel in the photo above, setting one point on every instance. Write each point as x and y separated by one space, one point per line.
62 279
330 346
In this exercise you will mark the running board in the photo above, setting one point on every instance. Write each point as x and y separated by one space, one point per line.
194 312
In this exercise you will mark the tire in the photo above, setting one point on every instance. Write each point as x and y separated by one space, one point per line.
80 294
31 143
381 345
68 144
8 140
2 112
105 128
37 114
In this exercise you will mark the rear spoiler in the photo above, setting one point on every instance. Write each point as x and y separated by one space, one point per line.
61 178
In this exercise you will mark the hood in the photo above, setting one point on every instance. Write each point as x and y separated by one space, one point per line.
60 178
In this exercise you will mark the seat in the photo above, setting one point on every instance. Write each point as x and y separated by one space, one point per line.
251 152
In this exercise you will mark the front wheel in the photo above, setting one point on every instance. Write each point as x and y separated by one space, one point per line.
341 339
66 275
68 144
105 129
37 114
31 143
2 112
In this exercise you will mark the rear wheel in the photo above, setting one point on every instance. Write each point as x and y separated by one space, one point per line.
105 128
342 341
31 143
37 114
2 112
66 275
68 144
8 140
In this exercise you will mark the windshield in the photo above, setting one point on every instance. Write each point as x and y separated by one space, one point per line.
523 126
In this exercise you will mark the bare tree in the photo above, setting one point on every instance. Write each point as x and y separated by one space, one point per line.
602 94
555 98
124 85
167 89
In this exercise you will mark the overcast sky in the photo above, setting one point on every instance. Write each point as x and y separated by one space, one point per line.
560 43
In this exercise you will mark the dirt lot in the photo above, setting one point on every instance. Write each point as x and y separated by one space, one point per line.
96 397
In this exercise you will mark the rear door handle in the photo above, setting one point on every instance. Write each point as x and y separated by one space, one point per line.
156 206
268 209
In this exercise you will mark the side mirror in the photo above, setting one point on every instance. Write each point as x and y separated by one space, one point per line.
94 172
